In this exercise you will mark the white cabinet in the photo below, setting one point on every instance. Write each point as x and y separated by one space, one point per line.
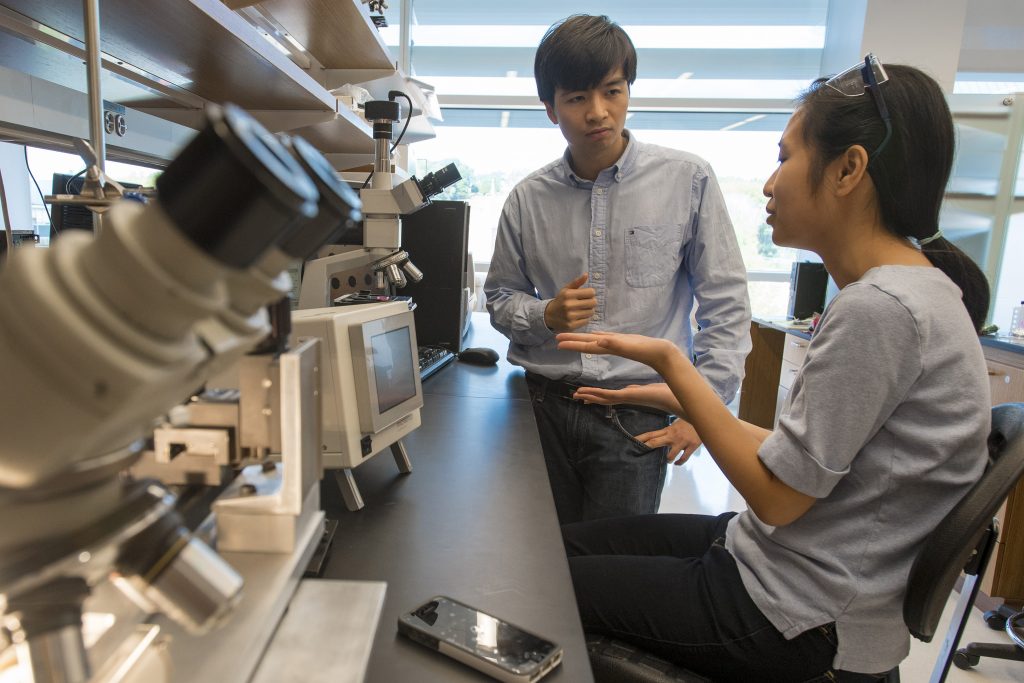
793 353
983 212
1005 575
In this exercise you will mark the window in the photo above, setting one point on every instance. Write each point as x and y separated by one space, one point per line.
714 78
494 150
44 163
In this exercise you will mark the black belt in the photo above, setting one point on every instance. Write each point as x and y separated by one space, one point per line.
558 387
555 387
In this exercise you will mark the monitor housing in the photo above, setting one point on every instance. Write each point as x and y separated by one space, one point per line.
370 381
72 216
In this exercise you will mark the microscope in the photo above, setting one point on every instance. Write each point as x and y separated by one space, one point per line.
100 336
379 243
260 412
350 440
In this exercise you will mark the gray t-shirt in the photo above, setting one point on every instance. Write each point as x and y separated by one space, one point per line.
886 426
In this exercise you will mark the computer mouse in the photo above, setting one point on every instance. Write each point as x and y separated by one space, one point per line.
479 355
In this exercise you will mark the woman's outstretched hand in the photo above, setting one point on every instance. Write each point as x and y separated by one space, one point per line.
647 350
656 395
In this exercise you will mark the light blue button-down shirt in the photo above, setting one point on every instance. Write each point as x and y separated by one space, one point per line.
654 235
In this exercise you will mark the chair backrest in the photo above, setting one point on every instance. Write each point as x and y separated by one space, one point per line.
948 548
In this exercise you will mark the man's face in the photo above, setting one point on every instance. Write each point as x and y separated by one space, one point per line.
592 120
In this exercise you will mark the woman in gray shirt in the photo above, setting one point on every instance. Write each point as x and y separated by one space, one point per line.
883 433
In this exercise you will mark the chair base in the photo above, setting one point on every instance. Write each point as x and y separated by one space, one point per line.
613 661
970 656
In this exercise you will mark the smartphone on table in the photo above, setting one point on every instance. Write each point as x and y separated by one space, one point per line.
499 649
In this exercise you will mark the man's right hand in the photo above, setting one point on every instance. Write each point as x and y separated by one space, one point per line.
572 308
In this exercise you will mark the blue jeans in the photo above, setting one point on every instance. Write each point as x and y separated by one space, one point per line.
666 584
595 465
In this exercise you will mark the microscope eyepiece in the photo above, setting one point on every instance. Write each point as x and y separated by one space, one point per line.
435 182
233 190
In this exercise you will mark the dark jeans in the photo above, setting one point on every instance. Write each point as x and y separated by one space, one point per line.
666 584
595 466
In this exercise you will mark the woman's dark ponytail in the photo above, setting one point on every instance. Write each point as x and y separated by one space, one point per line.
965 273
910 171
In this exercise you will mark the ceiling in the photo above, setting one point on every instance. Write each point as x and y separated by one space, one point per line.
686 48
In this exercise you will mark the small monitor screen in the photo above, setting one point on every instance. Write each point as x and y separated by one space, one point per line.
394 368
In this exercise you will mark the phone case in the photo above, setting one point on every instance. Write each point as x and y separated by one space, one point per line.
416 634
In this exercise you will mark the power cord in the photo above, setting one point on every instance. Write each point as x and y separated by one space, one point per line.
67 184
392 94
7 217
42 197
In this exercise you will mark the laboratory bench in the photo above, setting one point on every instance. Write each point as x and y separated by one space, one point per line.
474 520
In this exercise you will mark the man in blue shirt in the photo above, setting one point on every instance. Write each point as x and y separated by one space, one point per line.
616 235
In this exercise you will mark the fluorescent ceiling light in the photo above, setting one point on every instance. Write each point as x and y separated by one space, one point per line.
660 37
987 87
654 88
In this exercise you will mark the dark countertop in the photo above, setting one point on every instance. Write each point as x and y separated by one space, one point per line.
1004 342
782 325
475 520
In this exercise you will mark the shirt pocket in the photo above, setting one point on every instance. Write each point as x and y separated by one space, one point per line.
652 254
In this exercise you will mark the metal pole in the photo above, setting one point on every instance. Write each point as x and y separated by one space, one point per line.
405 38
92 64
92 67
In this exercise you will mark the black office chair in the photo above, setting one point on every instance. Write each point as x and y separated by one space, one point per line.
967 657
614 661
963 541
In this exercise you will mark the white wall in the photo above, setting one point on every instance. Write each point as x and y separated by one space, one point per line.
34 104
1010 290
17 186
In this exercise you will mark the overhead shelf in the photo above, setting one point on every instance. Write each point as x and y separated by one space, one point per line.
171 58
198 46
338 34
338 135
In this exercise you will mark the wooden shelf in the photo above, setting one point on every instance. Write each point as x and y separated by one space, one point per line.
319 25
199 46
346 133
420 129
170 58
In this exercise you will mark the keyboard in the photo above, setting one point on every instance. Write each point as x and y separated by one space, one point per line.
432 359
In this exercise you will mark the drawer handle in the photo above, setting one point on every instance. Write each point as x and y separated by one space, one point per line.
993 373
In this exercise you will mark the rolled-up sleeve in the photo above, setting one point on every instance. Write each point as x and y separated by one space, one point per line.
718 280
862 361
512 301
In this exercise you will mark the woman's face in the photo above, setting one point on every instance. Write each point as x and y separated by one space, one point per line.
794 211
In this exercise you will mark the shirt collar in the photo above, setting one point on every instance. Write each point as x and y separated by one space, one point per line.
619 169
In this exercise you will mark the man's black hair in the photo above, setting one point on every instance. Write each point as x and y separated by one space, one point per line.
579 52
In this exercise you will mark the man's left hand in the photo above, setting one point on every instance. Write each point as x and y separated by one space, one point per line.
680 437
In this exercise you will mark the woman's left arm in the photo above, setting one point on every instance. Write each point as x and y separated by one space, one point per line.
733 445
